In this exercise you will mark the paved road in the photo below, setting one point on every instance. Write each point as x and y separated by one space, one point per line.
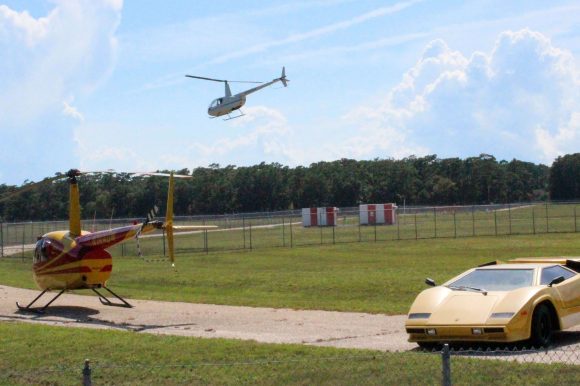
268 325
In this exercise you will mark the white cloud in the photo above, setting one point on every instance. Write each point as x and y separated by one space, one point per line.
264 131
68 52
72 112
261 135
27 28
318 32
46 63
521 100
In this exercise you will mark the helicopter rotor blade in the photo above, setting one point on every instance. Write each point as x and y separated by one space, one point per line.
73 173
222 80
243 81
201 77
27 187
61 176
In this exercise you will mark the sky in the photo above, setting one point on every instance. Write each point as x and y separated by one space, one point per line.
99 84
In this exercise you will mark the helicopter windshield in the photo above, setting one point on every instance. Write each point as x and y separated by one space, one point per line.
215 103
45 250
40 252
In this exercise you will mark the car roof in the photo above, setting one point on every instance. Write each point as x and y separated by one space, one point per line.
516 266
534 262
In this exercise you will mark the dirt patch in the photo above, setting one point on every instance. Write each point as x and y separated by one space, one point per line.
267 325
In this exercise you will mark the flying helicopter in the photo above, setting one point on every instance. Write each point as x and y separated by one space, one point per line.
228 103
75 259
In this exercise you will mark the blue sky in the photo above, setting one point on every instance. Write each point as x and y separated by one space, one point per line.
99 84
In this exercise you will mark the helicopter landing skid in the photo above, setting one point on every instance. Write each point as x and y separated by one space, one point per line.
105 301
237 116
38 310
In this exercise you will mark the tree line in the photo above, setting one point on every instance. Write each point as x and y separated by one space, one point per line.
427 180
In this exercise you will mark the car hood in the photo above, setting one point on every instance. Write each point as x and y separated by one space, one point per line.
449 307
464 308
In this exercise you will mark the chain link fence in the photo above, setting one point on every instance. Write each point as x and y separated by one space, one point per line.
446 367
285 229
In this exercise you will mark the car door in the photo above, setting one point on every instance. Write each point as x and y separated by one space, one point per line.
568 290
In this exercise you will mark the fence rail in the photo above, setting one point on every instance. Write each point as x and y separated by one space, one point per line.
284 229
446 367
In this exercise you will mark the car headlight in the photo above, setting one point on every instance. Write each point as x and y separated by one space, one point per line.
502 315
419 315
431 331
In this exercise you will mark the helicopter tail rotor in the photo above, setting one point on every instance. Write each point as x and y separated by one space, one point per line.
283 77
168 224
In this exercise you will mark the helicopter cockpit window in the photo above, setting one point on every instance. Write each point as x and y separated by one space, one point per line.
40 251
44 250
215 103
37 249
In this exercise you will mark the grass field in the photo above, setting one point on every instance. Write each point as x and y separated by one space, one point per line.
382 277
239 233
33 354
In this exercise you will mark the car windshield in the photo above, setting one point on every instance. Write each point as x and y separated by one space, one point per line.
494 280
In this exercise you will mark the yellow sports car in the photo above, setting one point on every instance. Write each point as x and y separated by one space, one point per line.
525 298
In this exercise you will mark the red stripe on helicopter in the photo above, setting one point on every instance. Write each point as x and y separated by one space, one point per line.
65 258
106 239
107 268
98 254
82 269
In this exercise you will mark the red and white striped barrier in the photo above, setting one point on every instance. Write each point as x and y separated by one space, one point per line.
323 216
371 214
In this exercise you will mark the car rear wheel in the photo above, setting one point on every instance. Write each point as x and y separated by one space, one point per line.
542 327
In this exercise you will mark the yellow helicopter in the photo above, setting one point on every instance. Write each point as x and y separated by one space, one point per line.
75 259
228 103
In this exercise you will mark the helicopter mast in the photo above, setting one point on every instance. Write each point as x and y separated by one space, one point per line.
74 211
228 91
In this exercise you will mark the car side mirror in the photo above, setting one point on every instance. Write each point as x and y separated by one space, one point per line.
556 280
430 282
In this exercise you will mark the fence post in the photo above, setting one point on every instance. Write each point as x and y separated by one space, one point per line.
244 230
446 366
416 234
2 236
87 373
473 220
435 220
291 236
283 234
495 221
250 235
398 227
23 238
547 222
333 236
510 217
163 242
454 225
206 241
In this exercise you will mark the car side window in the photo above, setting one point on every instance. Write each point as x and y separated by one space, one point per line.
550 273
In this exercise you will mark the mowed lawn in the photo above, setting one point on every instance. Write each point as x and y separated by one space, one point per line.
381 277
45 355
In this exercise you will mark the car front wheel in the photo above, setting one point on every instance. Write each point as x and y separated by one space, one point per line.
542 327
